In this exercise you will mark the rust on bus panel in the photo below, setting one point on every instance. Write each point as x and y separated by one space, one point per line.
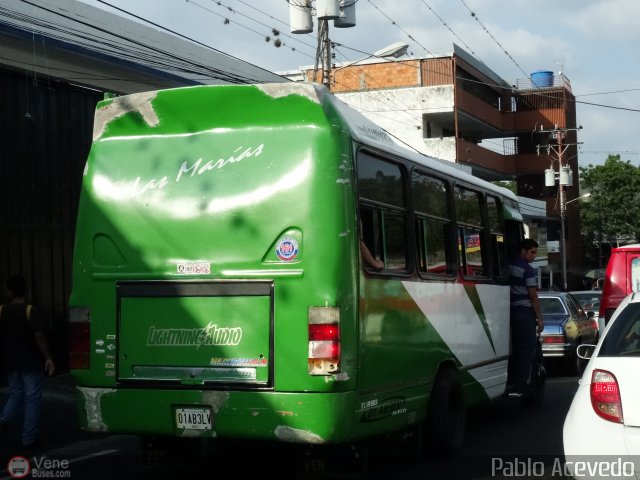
277 90
140 102
296 435
215 399
92 398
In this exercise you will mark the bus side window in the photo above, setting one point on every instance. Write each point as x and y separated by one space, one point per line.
383 210
470 232
433 224
499 251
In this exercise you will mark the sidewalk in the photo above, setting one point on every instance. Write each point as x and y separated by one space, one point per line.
59 423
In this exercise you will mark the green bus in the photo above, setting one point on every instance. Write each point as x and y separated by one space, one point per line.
219 282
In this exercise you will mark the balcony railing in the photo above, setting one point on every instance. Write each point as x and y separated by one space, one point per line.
558 81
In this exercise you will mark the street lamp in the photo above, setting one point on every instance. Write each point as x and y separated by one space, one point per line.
562 220
581 197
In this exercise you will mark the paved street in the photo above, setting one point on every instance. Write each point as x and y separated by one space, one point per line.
497 433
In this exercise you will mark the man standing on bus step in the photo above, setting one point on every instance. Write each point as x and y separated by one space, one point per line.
526 317
25 352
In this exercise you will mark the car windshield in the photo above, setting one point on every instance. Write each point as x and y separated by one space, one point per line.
551 306
623 337
588 301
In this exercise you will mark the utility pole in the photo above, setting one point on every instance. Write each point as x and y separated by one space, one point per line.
565 179
343 14
326 52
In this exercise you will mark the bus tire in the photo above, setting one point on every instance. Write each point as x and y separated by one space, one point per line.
446 416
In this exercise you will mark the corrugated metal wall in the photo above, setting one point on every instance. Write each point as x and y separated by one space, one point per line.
45 135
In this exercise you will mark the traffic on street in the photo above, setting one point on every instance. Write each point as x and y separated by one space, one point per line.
503 438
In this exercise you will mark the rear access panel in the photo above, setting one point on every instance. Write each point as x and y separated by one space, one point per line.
195 333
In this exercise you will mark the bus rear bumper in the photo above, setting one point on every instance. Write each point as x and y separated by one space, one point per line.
310 418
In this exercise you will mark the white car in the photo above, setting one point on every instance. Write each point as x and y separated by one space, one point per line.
602 429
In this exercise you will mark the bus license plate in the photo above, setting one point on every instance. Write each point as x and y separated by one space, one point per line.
194 418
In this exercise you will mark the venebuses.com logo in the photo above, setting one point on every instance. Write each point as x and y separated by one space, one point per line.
39 467
18 467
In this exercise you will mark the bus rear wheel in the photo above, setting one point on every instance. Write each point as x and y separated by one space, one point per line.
446 417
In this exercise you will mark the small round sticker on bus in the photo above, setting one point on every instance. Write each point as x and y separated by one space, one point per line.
287 248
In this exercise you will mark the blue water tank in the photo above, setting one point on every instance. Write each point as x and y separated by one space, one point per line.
542 78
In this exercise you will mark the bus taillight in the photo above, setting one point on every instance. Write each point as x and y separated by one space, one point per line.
79 337
324 340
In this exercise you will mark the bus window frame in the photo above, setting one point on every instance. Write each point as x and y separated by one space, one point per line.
499 203
450 253
379 208
487 273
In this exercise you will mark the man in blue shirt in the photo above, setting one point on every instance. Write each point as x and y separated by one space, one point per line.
526 317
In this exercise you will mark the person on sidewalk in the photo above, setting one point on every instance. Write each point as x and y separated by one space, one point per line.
25 352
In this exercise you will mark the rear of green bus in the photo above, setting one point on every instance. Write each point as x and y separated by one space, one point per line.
214 288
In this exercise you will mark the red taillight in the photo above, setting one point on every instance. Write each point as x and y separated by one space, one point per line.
324 332
553 339
605 396
324 340
79 338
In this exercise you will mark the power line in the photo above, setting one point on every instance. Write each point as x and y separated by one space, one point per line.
233 10
142 53
395 24
608 93
394 102
264 13
165 28
608 106
125 51
494 38
451 30
91 44
609 152
500 87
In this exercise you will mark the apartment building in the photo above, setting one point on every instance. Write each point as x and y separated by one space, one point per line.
456 108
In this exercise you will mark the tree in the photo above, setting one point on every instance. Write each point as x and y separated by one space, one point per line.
613 212
508 184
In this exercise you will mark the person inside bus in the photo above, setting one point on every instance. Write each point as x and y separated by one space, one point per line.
526 317
365 253
368 258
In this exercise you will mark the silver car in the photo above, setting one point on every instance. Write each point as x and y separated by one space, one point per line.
566 325
590 302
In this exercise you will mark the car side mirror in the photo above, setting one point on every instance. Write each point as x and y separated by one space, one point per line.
585 351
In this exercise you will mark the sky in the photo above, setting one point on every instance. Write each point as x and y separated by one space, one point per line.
594 43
